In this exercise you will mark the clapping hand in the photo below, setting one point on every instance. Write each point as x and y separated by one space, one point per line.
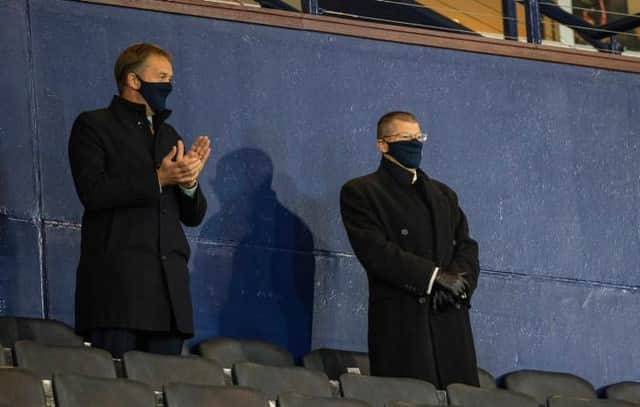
200 148
178 168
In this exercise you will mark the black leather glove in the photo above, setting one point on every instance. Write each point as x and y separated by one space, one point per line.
455 283
442 299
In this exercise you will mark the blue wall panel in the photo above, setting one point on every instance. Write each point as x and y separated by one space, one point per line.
340 305
20 270
547 173
17 176
527 322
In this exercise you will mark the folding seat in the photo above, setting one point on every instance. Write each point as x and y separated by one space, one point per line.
301 400
487 381
228 351
45 360
189 395
72 390
20 387
399 403
274 380
541 385
561 401
160 370
335 362
624 391
43 331
471 396
4 356
378 391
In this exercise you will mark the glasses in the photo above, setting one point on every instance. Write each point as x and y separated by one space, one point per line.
421 137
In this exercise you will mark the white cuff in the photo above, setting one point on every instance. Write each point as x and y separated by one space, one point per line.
433 279
190 192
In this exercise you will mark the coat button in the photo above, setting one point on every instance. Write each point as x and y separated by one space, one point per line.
163 257
164 211
422 300
404 232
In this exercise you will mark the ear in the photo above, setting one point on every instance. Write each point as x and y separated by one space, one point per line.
132 81
383 147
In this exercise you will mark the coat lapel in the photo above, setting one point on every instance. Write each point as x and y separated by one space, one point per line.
440 209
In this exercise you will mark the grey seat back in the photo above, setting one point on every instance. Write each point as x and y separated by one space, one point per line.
399 403
5 360
189 395
274 380
228 351
301 400
43 331
72 390
377 391
335 362
624 391
46 360
19 387
160 370
560 401
471 396
487 381
541 385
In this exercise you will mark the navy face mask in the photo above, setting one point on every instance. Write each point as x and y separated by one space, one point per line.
408 153
155 93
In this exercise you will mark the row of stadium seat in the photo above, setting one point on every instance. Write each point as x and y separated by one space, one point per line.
258 386
274 373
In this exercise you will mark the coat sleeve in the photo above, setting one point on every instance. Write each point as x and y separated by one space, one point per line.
97 188
381 258
465 255
192 209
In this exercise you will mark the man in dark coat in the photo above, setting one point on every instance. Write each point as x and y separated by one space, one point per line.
137 184
412 239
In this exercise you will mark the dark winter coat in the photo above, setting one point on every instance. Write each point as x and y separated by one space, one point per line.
400 232
133 263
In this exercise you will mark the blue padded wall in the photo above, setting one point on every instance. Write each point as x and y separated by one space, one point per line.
544 158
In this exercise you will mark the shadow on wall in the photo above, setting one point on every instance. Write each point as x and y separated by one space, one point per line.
261 278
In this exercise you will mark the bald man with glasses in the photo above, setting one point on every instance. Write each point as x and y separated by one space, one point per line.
410 235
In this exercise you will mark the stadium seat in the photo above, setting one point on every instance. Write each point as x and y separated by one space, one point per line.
399 403
541 385
336 362
300 400
4 359
274 380
378 391
43 331
624 391
471 396
189 395
160 370
72 390
228 351
46 360
20 387
487 381
560 401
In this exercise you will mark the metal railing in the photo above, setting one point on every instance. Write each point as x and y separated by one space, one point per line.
534 21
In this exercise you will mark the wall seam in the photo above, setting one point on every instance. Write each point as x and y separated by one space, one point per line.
37 170
329 253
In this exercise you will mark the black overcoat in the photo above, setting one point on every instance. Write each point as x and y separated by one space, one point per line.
399 232
133 263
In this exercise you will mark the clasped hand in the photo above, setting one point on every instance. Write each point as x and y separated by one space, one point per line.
452 289
180 168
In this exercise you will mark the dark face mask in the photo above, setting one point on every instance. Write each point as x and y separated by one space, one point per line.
408 153
155 93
